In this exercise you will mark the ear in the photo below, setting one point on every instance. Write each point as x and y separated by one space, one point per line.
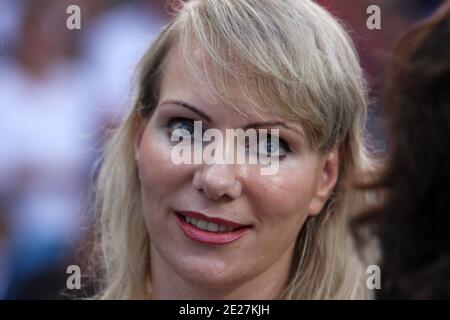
138 132
328 175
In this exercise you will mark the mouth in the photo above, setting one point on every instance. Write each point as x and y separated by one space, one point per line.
208 230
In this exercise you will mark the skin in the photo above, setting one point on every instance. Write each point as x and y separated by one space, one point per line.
276 206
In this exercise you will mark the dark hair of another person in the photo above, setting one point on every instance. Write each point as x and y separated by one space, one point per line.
413 223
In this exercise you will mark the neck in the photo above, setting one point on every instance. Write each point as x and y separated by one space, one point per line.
269 284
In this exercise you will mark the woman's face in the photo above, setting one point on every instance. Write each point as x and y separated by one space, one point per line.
270 209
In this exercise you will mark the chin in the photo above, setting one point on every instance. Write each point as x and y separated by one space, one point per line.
211 275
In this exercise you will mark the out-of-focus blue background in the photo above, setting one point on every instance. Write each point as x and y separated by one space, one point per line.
61 89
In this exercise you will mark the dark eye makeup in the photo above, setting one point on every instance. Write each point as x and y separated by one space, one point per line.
185 127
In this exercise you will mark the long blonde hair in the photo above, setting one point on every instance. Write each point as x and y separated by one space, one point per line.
304 68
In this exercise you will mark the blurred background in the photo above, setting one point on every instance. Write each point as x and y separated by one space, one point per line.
60 90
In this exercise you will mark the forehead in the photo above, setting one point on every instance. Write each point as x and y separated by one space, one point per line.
179 82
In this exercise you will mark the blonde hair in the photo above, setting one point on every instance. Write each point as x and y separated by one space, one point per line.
289 56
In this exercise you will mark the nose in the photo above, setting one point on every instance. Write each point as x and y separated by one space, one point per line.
217 180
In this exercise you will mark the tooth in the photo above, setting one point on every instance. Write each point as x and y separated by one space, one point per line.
194 221
188 219
222 228
202 224
212 227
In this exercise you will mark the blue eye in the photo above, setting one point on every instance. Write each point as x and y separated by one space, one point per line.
273 146
180 127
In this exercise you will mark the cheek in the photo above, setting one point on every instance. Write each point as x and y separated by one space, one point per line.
158 175
280 205
286 194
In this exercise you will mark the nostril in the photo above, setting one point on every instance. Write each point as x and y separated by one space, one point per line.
216 181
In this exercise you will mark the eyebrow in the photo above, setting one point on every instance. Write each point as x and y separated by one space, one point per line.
190 107
269 124
248 126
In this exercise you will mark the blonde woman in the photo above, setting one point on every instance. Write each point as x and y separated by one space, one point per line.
226 231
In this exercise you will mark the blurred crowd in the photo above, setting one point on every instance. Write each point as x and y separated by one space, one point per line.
60 90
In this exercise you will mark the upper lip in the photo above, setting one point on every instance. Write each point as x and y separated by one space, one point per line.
223 222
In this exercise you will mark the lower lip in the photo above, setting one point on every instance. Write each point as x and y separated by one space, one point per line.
208 237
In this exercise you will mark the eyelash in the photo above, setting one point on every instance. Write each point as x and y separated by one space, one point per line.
283 144
176 120
169 124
